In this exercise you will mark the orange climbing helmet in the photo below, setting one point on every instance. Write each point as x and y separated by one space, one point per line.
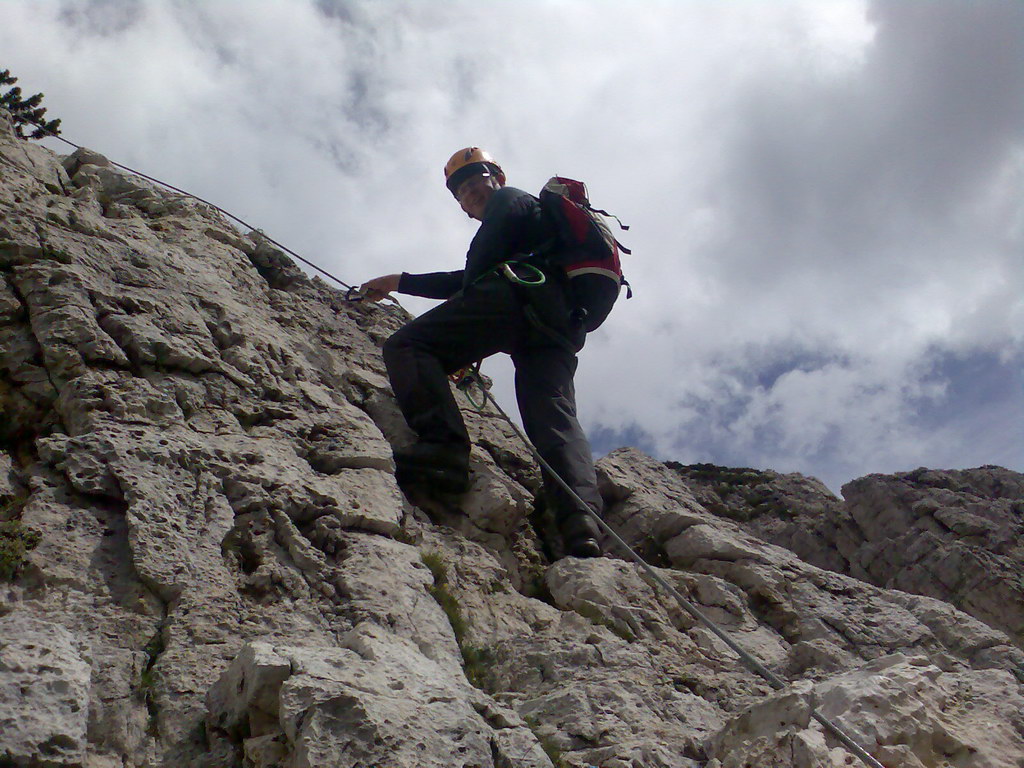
469 162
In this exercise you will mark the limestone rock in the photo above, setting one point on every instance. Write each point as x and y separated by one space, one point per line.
374 700
790 510
8 484
969 718
953 535
44 693
650 506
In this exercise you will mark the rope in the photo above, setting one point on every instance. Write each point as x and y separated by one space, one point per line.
752 663
230 215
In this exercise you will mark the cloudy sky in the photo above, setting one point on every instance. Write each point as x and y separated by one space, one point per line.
825 197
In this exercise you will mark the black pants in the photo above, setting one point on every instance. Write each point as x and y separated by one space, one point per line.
485 319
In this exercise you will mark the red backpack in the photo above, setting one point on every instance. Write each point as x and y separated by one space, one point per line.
585 248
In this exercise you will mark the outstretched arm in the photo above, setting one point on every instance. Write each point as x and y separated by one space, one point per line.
432 285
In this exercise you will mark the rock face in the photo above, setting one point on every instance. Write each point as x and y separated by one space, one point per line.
199 437
955 535
793 511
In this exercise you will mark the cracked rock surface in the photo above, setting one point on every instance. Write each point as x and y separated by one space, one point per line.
216 568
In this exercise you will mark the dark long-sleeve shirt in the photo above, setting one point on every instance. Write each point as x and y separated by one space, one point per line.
512 224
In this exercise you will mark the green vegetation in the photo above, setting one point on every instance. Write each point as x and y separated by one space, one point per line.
439 591
26 111
742 493
727 476
475 661
152 649
16 539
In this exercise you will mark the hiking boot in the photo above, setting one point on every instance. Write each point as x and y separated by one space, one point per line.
442 467
580 536
587 547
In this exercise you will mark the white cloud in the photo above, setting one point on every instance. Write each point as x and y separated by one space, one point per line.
824 195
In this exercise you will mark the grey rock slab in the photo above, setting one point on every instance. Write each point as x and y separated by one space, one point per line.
707 542
374 701
118 716
481 580
611 593
371 391
34 162
83 156
789 510
648 499
952 535
495 502
44 693
63 319
599 696
176 515
265 473
623 598
10 305
345 438
8 485
387 581
902 710
84 559
246 697
98 398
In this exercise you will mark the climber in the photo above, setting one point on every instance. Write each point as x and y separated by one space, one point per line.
484 313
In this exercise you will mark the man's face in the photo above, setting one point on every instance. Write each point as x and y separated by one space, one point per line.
474 193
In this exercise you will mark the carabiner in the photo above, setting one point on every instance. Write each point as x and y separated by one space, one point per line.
465 379
537 275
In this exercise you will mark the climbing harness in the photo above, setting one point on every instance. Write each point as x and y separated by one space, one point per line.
752 663
464 380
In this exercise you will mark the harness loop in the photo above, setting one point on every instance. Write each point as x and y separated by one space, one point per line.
534 276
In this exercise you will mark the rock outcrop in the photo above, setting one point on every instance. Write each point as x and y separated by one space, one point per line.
955 535
218 568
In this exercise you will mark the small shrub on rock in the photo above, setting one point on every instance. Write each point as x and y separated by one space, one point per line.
16 540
